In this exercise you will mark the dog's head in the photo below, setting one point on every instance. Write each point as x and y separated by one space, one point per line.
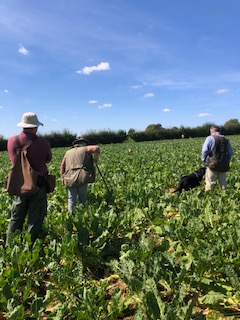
201 172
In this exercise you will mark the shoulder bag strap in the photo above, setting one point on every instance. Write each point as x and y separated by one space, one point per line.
19 145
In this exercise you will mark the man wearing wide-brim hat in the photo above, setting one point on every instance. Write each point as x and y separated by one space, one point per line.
39 154
77 170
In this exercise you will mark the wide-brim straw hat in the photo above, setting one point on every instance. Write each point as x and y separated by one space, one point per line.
29 120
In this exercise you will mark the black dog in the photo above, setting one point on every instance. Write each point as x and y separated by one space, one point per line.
191 181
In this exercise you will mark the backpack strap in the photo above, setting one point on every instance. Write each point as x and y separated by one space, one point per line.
19 145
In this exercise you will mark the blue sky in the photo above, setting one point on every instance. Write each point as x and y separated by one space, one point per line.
85 65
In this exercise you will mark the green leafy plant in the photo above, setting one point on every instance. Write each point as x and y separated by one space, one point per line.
149 254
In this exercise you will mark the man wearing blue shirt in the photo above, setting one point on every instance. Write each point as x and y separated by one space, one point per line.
216 155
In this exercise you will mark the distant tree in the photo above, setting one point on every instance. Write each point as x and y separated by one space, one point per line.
121 133
175 133
106 136
153 129
131 131
187 131
62 138
3 143
232 126
203 131
140 136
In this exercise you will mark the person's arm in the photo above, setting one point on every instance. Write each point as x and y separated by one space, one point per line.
207 148
11 148
63 166
49 153
95 151
229 150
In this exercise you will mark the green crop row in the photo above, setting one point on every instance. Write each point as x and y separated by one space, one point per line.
152 254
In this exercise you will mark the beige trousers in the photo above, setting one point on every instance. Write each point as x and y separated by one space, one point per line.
211 177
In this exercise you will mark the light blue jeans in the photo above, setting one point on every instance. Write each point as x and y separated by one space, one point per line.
76 196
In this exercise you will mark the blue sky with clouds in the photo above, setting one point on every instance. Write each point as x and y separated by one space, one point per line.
88 65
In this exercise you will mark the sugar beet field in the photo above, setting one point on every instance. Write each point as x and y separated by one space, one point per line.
152 254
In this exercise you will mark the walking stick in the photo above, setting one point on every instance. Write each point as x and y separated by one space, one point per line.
102 177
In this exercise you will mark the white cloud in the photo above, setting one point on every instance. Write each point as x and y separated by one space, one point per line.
6 91
203 114
92 101
148 95
137 86
105 105
103 66
222 91
23 50
166 110
1 107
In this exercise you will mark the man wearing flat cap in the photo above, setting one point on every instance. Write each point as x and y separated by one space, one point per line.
77 170
38 154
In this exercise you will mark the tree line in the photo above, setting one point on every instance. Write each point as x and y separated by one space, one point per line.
152 132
